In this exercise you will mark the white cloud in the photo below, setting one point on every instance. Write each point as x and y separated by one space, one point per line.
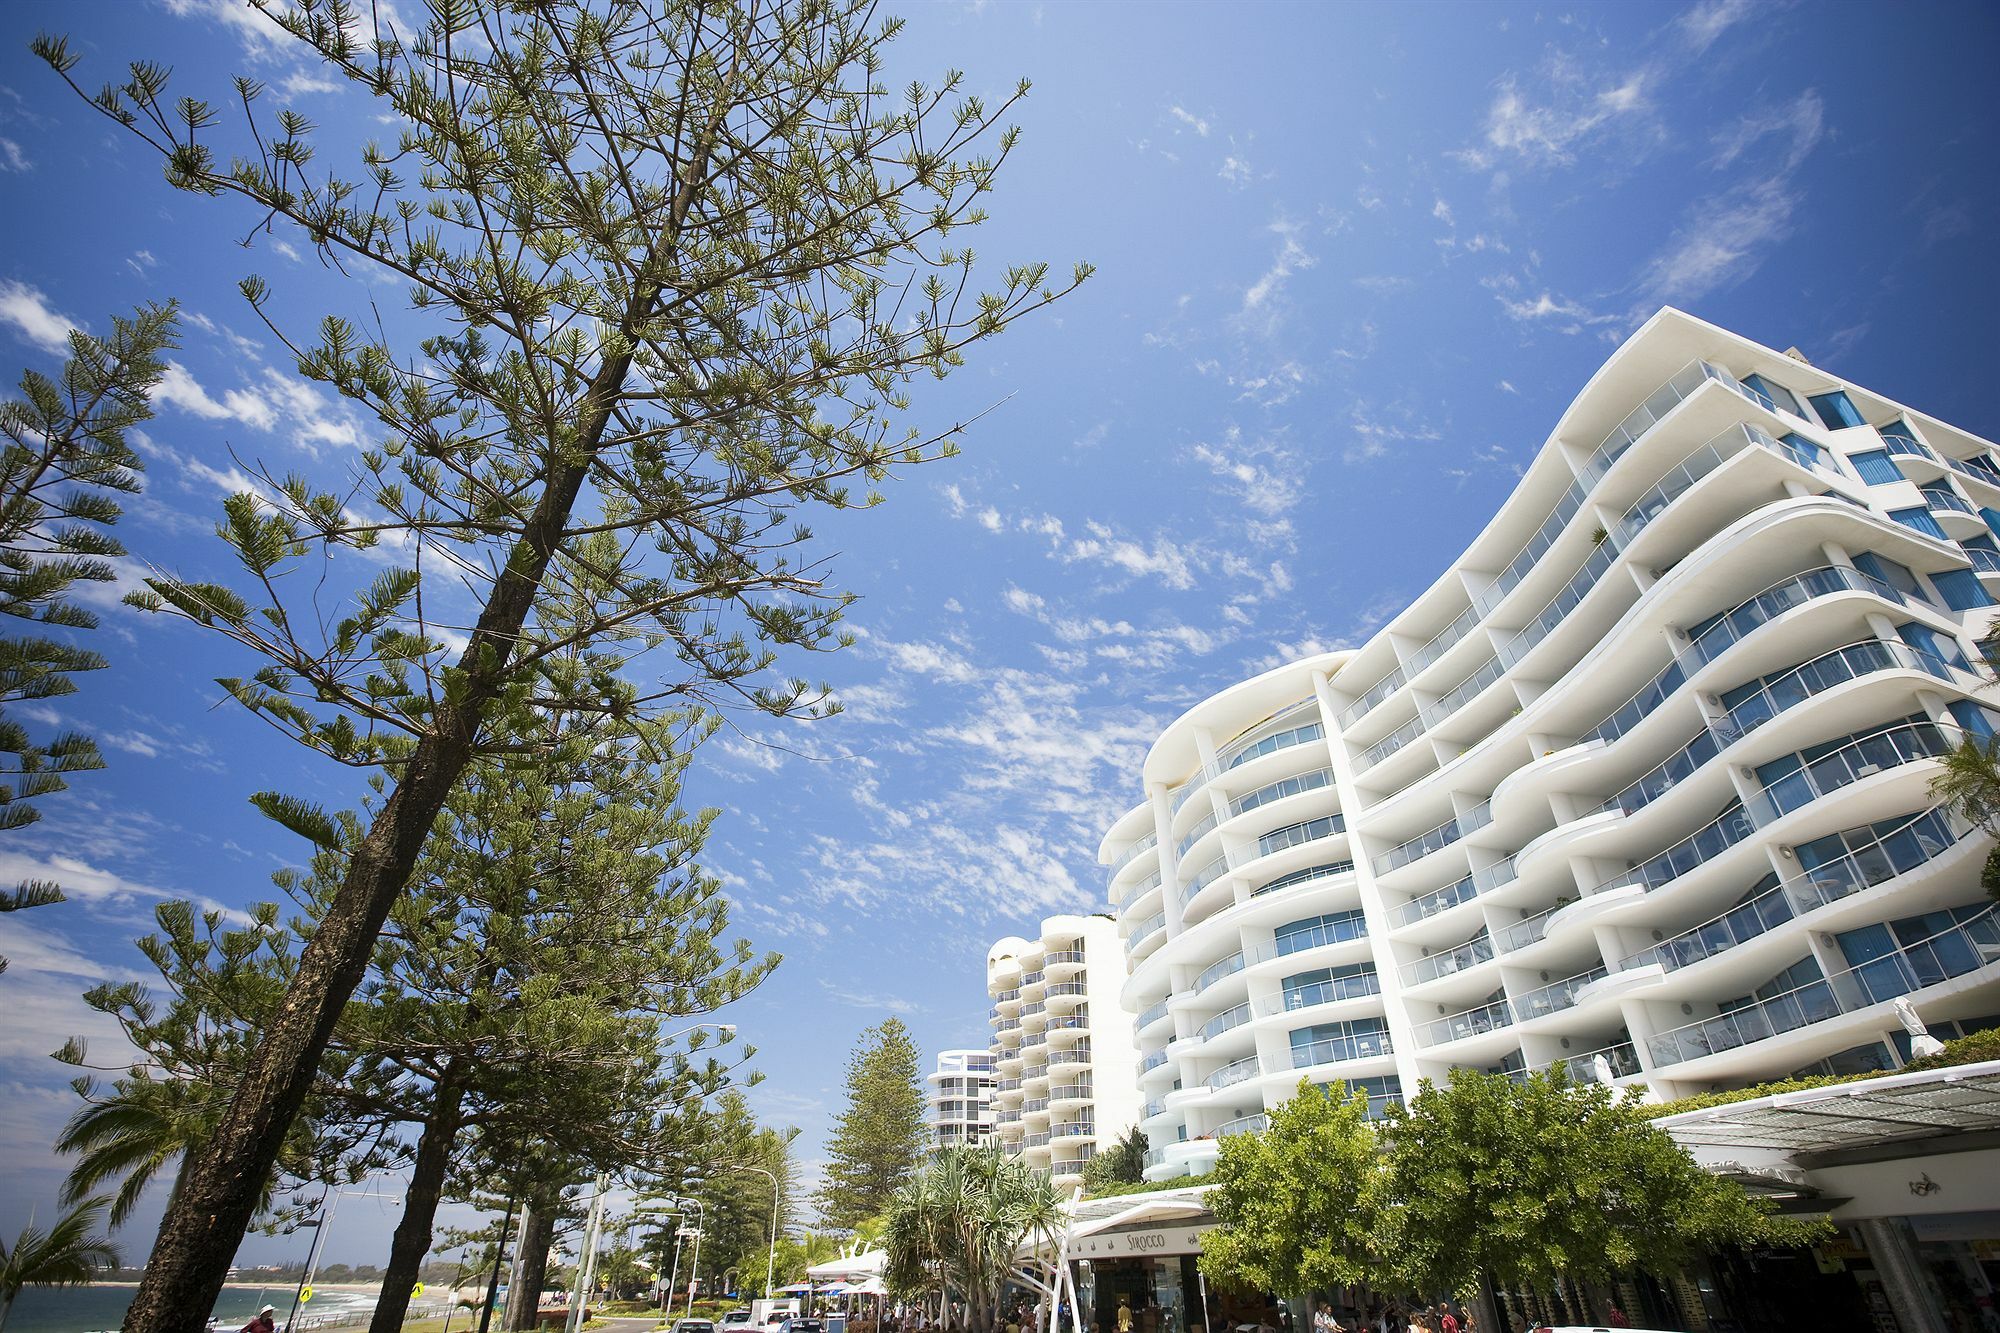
1266 476
1291 258
178 388
1704 23
1549 306
1235 170
1189 119
33 318
302 82
865 1000
1718 245
11 156
1442 212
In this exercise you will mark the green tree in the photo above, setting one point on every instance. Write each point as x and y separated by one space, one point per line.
220 980
737 1203
880 1138
63 460
68 1254
1969 782
1123 1163
1304 1204
675 263
957 1224
1543 1180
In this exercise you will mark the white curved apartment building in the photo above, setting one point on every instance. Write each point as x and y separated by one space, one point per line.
1066 1066
1639 785
961 1098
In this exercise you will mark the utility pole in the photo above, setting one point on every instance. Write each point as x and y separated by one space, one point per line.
586 1263
499 1256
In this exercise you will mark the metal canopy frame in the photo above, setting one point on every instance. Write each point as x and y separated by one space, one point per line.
1845 1116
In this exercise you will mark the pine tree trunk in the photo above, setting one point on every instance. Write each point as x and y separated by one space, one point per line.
538 1231
202 1228
412 1240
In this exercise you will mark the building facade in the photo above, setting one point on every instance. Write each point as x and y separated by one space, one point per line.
1066 1065
1639 786
961 1099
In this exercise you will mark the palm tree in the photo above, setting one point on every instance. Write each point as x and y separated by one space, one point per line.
67 1255
957 1225
131 1135
1970 784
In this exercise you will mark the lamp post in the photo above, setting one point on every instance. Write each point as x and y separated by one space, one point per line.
771 1262
321 1225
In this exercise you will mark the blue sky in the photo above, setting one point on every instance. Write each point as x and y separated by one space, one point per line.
1352 263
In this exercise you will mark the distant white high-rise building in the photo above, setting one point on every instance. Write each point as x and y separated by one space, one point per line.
1640 786
1067 1067
961 1098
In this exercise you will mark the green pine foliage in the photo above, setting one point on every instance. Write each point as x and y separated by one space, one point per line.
673 269
879 1139
64 459
1303 1205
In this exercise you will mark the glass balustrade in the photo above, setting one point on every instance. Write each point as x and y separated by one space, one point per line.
1255 1123
1145 931
1306 876
1619 1060
1430 904
1469 954
1072 1129
1224 1021
1152 1015
1442 641
1669 773
1822 673
1727 829
1358 986
1462 693
1781 597
1137 849
1194 834
1216 971
1430 840
1472 1023
1141 889
1985 561
1373 695
1566 599
1231 1074
1333 1050
1907 743
1391 743
1941 497
1338 931
1153 1061
1278 791
1904 447
1981 470
1556 996
1294 835
1899 850
1204 877
1962 948
1662 401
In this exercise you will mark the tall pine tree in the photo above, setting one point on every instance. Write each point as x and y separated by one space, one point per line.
672 265
879 1140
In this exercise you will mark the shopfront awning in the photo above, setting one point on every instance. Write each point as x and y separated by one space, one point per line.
1845 1116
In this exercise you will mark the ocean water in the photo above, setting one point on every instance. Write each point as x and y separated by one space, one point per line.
94 1308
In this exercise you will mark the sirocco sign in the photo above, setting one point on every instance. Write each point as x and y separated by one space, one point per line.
1141 1242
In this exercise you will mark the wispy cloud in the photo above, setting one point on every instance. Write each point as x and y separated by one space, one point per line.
1189 119
31 315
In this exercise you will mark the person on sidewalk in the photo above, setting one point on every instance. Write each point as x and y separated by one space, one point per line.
262 1323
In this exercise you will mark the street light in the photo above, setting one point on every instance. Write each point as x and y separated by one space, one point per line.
771 1262
320 1226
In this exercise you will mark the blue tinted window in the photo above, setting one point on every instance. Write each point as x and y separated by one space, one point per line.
1778 394
1810 448
1961 589
1973 718
1835 410
1875 467
1900 429
1917 520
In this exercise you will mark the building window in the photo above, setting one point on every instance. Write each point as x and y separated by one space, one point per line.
1777 395
1874 466
1836 410
1977 721
1918 520
1899 429
1810 448
1960 589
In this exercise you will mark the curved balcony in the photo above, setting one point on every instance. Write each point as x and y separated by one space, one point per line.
1557 996
1296 785
1223 1022
1921 838
1958 516
1140 890
1070 1129
1070 1057
1343 930
1340 1050
1231 1074
1333 990
1239 753
1149 1016
1968 947
1135 851
1292 879
1450 962
1254 1123
1489 1017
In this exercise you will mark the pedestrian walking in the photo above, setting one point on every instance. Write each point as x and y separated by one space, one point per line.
262 1323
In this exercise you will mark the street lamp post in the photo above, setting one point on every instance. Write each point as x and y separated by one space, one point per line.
694 1267
320 1226
771 1262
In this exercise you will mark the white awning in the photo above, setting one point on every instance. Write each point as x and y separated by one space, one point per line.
1849 1115
849 1267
